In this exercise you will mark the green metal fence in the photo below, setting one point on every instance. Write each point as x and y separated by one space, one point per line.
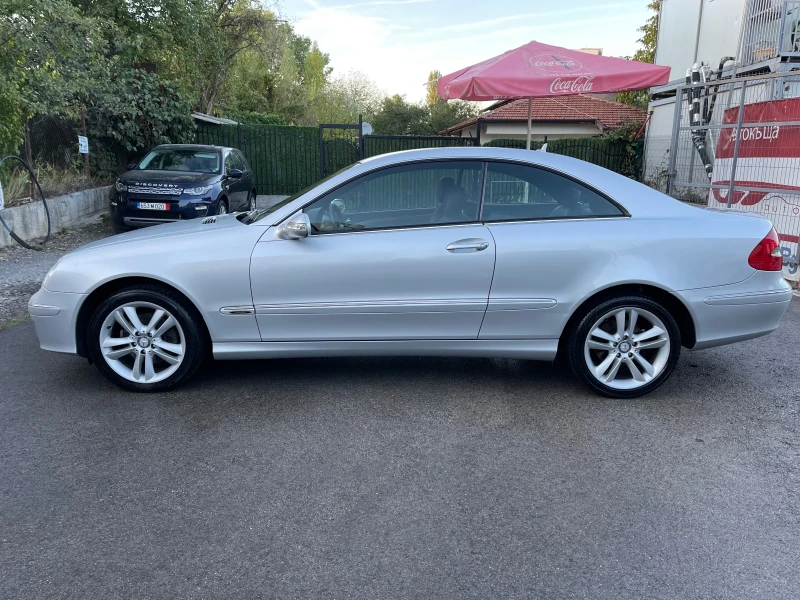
286 159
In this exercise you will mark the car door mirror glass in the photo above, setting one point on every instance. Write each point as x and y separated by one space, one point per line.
296 227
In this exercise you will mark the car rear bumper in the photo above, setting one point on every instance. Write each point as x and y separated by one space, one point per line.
54 316
734 313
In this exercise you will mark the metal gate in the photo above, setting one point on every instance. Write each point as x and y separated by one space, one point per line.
741 151
340 145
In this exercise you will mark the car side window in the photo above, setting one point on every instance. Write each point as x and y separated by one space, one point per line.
229 162
523 192
424 193
239 162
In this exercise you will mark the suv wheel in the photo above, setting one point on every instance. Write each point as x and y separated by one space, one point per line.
145 339
624 347
222 207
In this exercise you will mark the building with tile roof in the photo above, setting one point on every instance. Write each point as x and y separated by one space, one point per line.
553 118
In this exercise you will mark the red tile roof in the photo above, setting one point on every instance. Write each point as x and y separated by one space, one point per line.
579 108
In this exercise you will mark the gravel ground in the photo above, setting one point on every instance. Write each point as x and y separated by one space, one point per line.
22 270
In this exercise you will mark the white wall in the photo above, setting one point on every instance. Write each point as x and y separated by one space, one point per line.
719 30
719 23
677 35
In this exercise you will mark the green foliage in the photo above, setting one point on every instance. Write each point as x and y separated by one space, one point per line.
431 92
399 117
446 114
646 53
134 110
254 118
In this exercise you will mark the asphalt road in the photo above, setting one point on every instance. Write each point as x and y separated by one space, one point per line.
401 478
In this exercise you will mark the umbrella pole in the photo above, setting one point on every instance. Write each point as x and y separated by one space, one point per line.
530 114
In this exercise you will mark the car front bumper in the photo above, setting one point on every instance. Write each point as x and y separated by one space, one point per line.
125 211
54 316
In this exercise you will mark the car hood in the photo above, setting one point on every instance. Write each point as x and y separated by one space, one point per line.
200 226
174 177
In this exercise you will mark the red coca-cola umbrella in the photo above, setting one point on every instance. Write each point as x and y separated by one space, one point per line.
538 70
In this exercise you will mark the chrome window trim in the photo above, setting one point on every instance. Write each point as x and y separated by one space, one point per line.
399 228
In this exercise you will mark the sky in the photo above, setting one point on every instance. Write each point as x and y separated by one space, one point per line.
398 42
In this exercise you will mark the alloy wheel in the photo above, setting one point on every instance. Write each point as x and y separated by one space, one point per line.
142 342
252 203
222 209
627 348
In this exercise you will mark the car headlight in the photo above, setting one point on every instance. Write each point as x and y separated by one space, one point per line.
121 187
197 191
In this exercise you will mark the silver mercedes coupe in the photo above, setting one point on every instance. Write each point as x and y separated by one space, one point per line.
482 252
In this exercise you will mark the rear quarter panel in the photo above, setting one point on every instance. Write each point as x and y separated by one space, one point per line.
571 260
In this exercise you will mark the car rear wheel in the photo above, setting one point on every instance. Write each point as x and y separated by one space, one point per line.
146 339
222 207
624 347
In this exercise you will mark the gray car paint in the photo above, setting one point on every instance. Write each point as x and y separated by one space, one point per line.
401 291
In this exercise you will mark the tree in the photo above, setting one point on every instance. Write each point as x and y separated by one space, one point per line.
446 114
646 53
346 97
432 93
399 117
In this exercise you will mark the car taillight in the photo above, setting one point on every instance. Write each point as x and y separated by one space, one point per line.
767 255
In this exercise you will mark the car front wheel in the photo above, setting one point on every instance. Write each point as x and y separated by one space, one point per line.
222 207
146 339
624 347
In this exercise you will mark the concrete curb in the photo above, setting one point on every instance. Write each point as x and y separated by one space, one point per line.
29 221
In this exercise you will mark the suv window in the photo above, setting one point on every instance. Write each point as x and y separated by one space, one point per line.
519 192
229 162
239 162
425 193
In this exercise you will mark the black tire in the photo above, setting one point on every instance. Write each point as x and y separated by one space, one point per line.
118 227
196 338
251 201
578 334
222 207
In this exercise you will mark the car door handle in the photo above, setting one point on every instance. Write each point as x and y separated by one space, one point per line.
469 245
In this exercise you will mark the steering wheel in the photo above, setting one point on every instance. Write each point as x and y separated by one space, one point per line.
331 216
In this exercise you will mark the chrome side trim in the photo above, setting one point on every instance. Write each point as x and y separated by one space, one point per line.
496 304
43 310
146 221
520 349
237 310
764 297
464 305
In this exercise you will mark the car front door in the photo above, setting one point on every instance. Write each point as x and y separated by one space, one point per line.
232 186
397 254
246 182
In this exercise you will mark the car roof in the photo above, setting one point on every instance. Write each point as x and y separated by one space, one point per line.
196 147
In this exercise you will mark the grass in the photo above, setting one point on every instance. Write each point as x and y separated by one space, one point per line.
12 322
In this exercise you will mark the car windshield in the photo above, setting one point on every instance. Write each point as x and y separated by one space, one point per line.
268 211
195 161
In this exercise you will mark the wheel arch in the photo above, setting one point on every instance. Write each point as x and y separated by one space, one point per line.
103 291
670 301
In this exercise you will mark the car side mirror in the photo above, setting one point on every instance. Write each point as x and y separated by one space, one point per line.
130 166
296 227
234 174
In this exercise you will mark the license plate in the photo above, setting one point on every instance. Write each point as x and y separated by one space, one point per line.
152 206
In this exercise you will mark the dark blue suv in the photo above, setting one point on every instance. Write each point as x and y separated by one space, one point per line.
182 181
